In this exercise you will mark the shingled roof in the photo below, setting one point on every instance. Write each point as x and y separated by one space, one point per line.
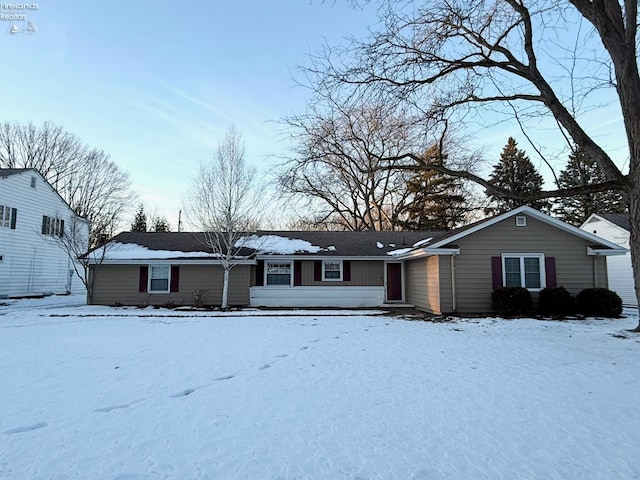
330 244
619 219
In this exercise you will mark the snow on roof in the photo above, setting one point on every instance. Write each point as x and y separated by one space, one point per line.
422 242
400 251
130 251
277 244
379 245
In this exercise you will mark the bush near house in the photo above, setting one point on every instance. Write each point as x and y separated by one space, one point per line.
511 301
556 301
599 302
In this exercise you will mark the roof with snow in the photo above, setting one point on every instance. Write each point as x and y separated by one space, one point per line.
192 245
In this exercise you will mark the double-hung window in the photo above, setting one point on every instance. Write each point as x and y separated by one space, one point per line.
159 278
332 270
52 226
523 270
8 217
278 273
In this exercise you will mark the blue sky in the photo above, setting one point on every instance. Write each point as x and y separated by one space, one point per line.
156 84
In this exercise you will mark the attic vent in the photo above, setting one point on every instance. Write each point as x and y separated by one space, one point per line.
521 221
33 182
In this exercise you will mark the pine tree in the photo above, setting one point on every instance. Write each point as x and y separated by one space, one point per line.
438 202
582 170
515 172
160 224
140 221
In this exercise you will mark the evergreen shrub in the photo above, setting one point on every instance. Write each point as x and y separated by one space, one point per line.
599 302
555 301
511 301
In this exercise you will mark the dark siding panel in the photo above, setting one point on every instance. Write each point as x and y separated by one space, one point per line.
175 278
346 273
550 271
317 271
297 273
260 273
496 271
144 277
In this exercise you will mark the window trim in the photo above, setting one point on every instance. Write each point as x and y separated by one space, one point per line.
10 218
150 278
324 271
276 261
522 256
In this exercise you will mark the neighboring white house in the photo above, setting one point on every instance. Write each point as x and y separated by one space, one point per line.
615 228
33 218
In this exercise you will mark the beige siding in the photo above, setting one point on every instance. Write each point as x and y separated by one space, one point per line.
422 285
363 273
574 269
446 287
118 284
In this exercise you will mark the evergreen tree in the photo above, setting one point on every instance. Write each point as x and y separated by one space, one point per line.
160 224
583 170
515 172
438 202
140 221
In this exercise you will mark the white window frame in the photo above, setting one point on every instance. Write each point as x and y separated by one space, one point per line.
522 256
521 221
278 262
6 216
324 270
151 278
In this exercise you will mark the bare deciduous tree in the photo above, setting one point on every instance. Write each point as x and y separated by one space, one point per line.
92 184
530 58
225 200
336 165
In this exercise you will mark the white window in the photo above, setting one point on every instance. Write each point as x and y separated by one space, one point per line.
523 270
278 273
159 278
332 270
8 217
52 226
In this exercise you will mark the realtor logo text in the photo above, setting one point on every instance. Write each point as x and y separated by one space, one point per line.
18 6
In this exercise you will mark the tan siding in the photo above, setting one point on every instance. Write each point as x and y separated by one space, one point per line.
446 288
574 269
118 284
363 273
422 286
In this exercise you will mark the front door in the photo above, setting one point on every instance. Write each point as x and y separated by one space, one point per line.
394 282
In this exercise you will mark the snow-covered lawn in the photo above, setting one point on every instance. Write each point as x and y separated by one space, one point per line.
128 394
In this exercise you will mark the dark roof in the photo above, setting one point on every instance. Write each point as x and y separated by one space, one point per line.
6 172
619 219
341 244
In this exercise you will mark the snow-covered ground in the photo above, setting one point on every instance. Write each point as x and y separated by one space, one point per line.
129 394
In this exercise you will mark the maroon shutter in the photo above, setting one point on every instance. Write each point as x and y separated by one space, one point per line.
346 271
317 270
496 271
144 278
260 273
297 273
175 278
550 271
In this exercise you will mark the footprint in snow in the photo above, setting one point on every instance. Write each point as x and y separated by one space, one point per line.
113 407
303 348
183 393
226 377
265 366
281 356
28 428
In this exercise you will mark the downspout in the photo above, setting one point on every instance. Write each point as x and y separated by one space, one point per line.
453 283
595 271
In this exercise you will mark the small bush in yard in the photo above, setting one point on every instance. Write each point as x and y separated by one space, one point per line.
599 302
510 301
555 301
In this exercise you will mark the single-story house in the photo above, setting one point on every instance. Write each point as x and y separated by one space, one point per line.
438 272
615 227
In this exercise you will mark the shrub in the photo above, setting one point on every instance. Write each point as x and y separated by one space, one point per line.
510 301
599 302
555 301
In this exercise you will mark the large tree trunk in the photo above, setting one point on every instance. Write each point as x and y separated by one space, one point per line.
634 243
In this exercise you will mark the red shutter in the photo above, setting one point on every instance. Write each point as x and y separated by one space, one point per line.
144 278
175 278
260 273
317 270
496 271
297 273
346 271
550 271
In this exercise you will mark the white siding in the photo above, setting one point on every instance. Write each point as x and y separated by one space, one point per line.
32 263
618 267
342 296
